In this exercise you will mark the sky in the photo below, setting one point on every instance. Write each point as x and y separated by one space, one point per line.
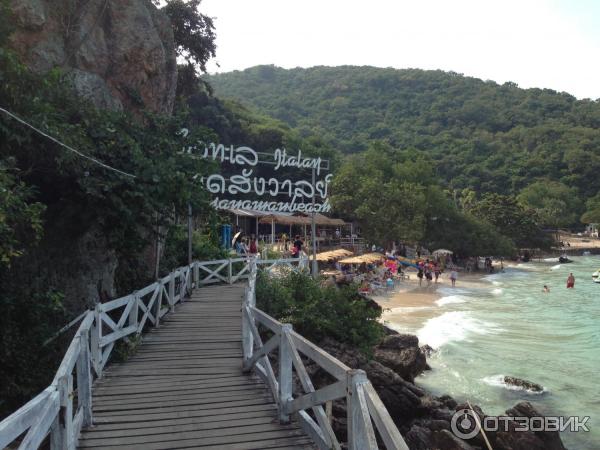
535 43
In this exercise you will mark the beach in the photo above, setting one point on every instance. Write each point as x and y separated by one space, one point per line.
409 304
495 325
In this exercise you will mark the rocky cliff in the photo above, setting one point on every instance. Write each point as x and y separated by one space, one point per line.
119 53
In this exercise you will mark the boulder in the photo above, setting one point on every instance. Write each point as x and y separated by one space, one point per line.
401 353
446 440
525 384
550 439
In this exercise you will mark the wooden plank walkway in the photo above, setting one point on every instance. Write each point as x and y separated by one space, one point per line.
185 388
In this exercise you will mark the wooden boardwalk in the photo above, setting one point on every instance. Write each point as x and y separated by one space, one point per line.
185 387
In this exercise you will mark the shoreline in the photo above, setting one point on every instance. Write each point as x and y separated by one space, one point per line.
415 303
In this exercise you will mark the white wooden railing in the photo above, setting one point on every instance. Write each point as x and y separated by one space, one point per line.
55 411
364 407
65 407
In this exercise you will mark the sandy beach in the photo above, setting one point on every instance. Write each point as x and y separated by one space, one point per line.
414 302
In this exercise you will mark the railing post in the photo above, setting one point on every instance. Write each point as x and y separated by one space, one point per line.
285 373
133 319
361 435
197 273
229 272
84 380
190 279
172 291
96 337
56 435
247 338
182 286
65 389
159 304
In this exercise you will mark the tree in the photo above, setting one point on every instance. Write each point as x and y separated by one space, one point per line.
466 235
20 217
556 204
194 32
592 213
379 189
512 220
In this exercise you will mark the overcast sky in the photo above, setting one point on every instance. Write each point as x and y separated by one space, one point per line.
535 43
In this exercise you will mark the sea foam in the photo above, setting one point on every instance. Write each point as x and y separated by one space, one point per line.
450 299
452 326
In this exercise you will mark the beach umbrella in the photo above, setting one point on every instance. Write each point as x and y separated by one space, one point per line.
442 251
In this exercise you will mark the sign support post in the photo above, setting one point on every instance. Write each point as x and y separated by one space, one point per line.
189 233
313 233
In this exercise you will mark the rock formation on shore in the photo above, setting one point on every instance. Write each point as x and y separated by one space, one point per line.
423 419
119 54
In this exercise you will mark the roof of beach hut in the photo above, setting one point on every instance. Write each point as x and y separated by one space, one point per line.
366 258
332 255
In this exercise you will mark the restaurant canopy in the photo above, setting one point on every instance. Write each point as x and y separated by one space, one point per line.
282 219
333 255
286 218
367 258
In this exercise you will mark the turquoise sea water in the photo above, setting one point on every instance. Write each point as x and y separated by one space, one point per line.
505 325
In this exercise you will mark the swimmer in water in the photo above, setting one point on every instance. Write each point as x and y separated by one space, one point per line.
546 289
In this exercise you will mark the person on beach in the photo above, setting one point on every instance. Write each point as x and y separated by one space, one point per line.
453 277
297 247
420 275
546 289
437 272
570 281
253 249
428 276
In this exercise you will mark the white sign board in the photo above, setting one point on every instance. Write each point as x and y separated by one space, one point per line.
301 193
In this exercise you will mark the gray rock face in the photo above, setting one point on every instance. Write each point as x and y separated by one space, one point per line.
121 52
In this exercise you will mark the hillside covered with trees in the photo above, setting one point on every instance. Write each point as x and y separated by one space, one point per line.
537 144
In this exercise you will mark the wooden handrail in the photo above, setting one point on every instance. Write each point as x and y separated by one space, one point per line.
52 412
363 404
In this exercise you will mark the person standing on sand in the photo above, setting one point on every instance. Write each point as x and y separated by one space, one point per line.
453 277
570 281
420 275
437 271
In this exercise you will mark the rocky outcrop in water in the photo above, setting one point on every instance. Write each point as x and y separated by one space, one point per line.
120 54
523 384
423 419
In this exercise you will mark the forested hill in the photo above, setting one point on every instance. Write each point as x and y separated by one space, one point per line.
483 135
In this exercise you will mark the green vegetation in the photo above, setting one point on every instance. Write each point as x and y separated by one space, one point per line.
56 205
477 135
318 312
394 194
592 213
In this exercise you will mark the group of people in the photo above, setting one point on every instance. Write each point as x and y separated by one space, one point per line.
249 246
431 270
246 246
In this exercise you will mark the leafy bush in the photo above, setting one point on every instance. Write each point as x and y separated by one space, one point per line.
318 312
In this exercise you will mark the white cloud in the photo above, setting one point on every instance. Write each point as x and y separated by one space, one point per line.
534 43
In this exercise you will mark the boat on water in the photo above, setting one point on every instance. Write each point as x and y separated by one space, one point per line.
596 276
564 260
